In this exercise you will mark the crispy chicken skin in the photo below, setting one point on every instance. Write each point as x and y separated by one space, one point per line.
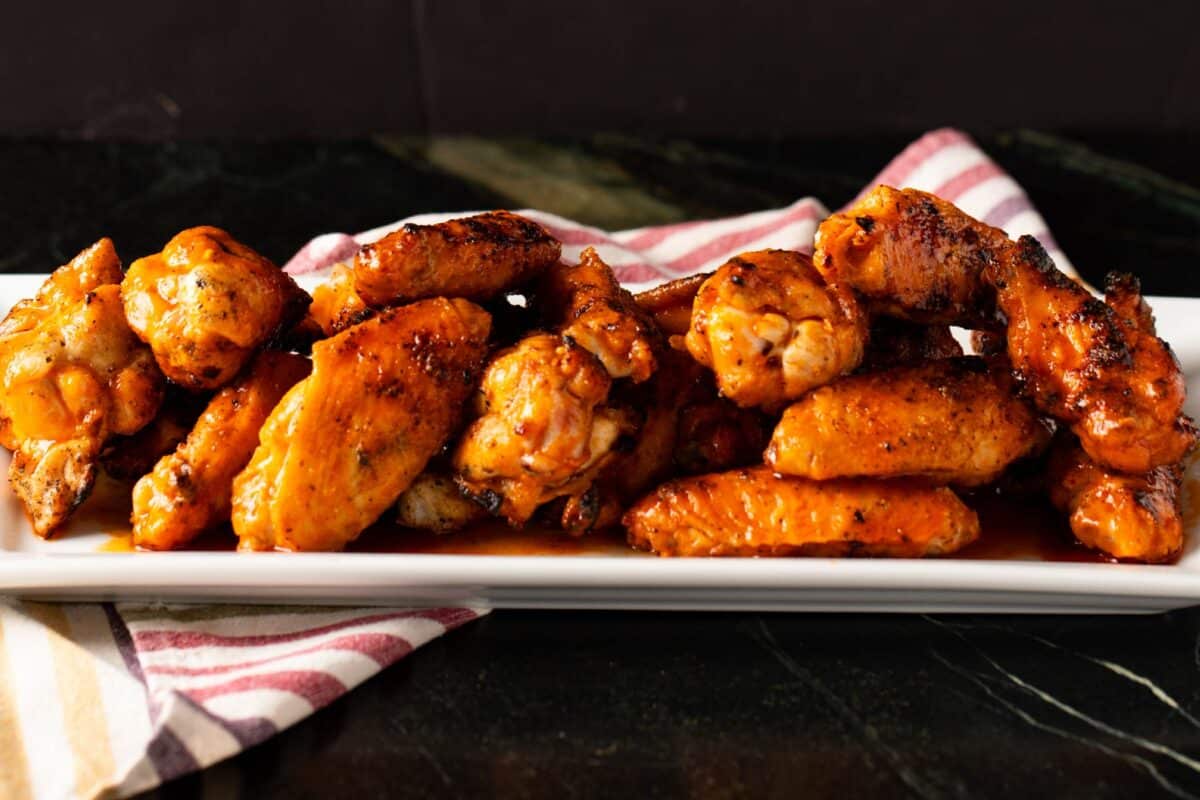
771 329
589 306
1096 366
72 374
912 255
896 342
190 489
753 512
206 303
335 304
670 305
433 502
1135 517
949 421
473 257
342 444
543 430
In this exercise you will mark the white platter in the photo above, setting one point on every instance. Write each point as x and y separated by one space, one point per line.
76 567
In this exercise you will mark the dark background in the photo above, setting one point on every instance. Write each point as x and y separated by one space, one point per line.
317 69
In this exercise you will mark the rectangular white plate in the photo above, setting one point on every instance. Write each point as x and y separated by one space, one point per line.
74 567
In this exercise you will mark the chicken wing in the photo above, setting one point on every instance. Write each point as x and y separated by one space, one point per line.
346 441
685 428
543 430
949 421
912 255
670 305
335 304
896 342
206 303
589 306
753 512
128 458
473 257
771 330
1098 367
72 374
1135 517
433 502
190 489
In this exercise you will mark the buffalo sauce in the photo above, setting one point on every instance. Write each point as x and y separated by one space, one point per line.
1023 528
1013 529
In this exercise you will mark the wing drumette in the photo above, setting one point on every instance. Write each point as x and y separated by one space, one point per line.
72 374
206 303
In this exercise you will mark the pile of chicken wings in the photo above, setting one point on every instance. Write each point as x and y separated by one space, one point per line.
781 405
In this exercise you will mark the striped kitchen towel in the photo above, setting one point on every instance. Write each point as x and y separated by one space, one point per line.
114 699
946 162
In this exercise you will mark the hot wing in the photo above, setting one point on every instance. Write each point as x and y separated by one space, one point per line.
72 374
949 421
590 307
912 255
190 490
753 512
1126 516
1097 366
543 430
345 442
473 257
771 329
206 303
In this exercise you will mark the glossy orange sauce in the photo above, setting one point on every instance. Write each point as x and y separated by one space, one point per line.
1023 529
1014 529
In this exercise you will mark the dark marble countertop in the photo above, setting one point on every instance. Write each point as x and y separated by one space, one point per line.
525 704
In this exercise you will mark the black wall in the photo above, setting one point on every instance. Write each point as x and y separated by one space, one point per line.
242 68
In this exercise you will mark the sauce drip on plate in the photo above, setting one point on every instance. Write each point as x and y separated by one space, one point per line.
1014 529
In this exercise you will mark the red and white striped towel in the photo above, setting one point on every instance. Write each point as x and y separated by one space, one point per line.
119 698
946 162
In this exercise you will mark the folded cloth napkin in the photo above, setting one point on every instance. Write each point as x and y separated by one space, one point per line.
115 699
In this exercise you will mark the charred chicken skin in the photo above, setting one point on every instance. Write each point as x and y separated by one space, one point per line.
753 512
206 303
1096 366
1136 517
343 443
473 257
543 430
591 308
949 421
72 374
912 255
771 329
191 489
